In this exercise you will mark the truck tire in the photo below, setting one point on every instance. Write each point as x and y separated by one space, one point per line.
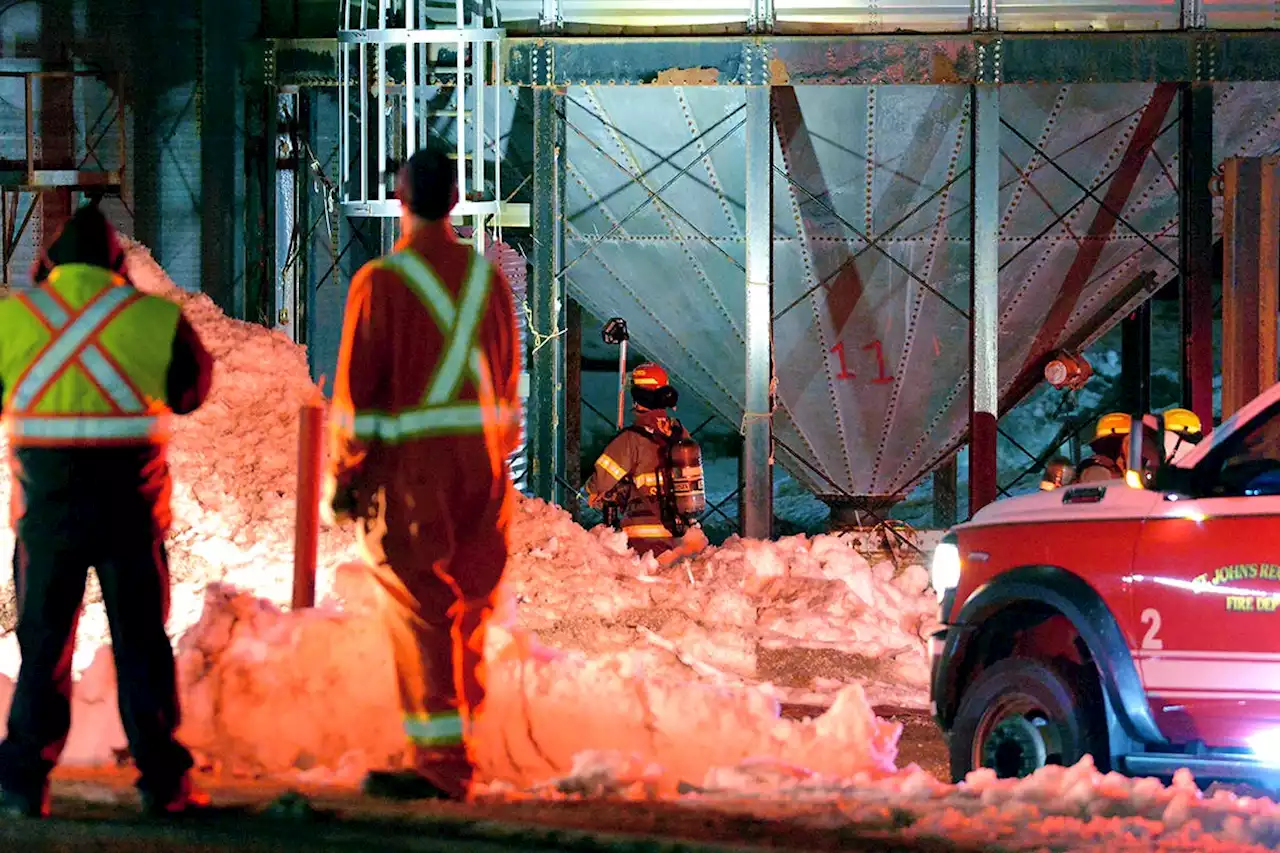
1022 714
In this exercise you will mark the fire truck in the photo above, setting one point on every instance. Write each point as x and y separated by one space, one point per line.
1136 620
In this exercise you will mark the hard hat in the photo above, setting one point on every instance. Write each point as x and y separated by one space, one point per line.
1116 423
649 376
1182 422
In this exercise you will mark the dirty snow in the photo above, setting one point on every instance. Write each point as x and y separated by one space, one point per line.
609 675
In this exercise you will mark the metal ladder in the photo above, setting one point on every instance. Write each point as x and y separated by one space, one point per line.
410 70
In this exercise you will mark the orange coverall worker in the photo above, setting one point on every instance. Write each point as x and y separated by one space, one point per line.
425 415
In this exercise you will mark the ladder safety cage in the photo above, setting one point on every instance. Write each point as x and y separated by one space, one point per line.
410 70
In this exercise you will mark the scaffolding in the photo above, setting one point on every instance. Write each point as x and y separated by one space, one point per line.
411 71
91 161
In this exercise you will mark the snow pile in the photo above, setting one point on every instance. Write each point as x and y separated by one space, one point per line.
235 458
267 692
802 616
1059 808
235 469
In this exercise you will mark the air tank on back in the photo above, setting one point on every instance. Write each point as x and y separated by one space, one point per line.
686 479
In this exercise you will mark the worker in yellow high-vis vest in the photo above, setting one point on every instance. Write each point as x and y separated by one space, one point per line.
90 371
425 415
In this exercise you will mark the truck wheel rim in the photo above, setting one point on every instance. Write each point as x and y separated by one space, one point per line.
1015 738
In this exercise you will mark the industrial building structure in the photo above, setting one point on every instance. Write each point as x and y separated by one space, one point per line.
854 232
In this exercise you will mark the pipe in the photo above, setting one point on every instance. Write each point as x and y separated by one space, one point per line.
307 519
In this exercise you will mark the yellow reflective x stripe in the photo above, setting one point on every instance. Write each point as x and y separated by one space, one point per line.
98 366
419 276
70 339
613 469
647 531
646 480
438 415
439 729
462 336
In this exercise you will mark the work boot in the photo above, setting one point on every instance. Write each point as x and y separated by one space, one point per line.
29 803
438 774
184 797
402 785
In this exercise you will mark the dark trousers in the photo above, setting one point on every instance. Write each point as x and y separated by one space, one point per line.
51 563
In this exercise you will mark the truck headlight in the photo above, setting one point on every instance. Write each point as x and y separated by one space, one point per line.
944 572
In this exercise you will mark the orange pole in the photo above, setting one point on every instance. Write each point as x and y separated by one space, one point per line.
307 526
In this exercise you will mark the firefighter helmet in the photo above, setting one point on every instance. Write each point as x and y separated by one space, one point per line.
649 375
1183 423
651 389
1116 423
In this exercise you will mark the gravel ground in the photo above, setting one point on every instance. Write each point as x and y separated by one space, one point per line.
96 810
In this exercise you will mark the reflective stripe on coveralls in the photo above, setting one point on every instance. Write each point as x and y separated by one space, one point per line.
443 728
440 412
75 340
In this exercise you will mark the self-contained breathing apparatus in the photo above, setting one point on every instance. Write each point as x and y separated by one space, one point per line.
681 492
679 485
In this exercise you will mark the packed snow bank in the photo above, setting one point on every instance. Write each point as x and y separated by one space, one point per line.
801 617
268 692
1058 808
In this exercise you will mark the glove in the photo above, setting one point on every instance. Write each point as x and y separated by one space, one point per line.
595 501
338 505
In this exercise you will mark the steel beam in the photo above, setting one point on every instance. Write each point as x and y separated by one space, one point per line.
256 302
221 149
1195 246
1251 278
547 301
573 405
1151 57
1135 353
869 60
757 421
945 482
984 294
1080 273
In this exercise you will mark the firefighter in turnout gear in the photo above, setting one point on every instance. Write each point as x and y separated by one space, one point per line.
425 415
1107 461
91 371
653 471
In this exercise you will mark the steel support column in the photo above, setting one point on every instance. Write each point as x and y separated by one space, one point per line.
984 293
757 421
546 298
573 405
945 481
1135 349
57 108
1251 228
1195 246
221 146
257 303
